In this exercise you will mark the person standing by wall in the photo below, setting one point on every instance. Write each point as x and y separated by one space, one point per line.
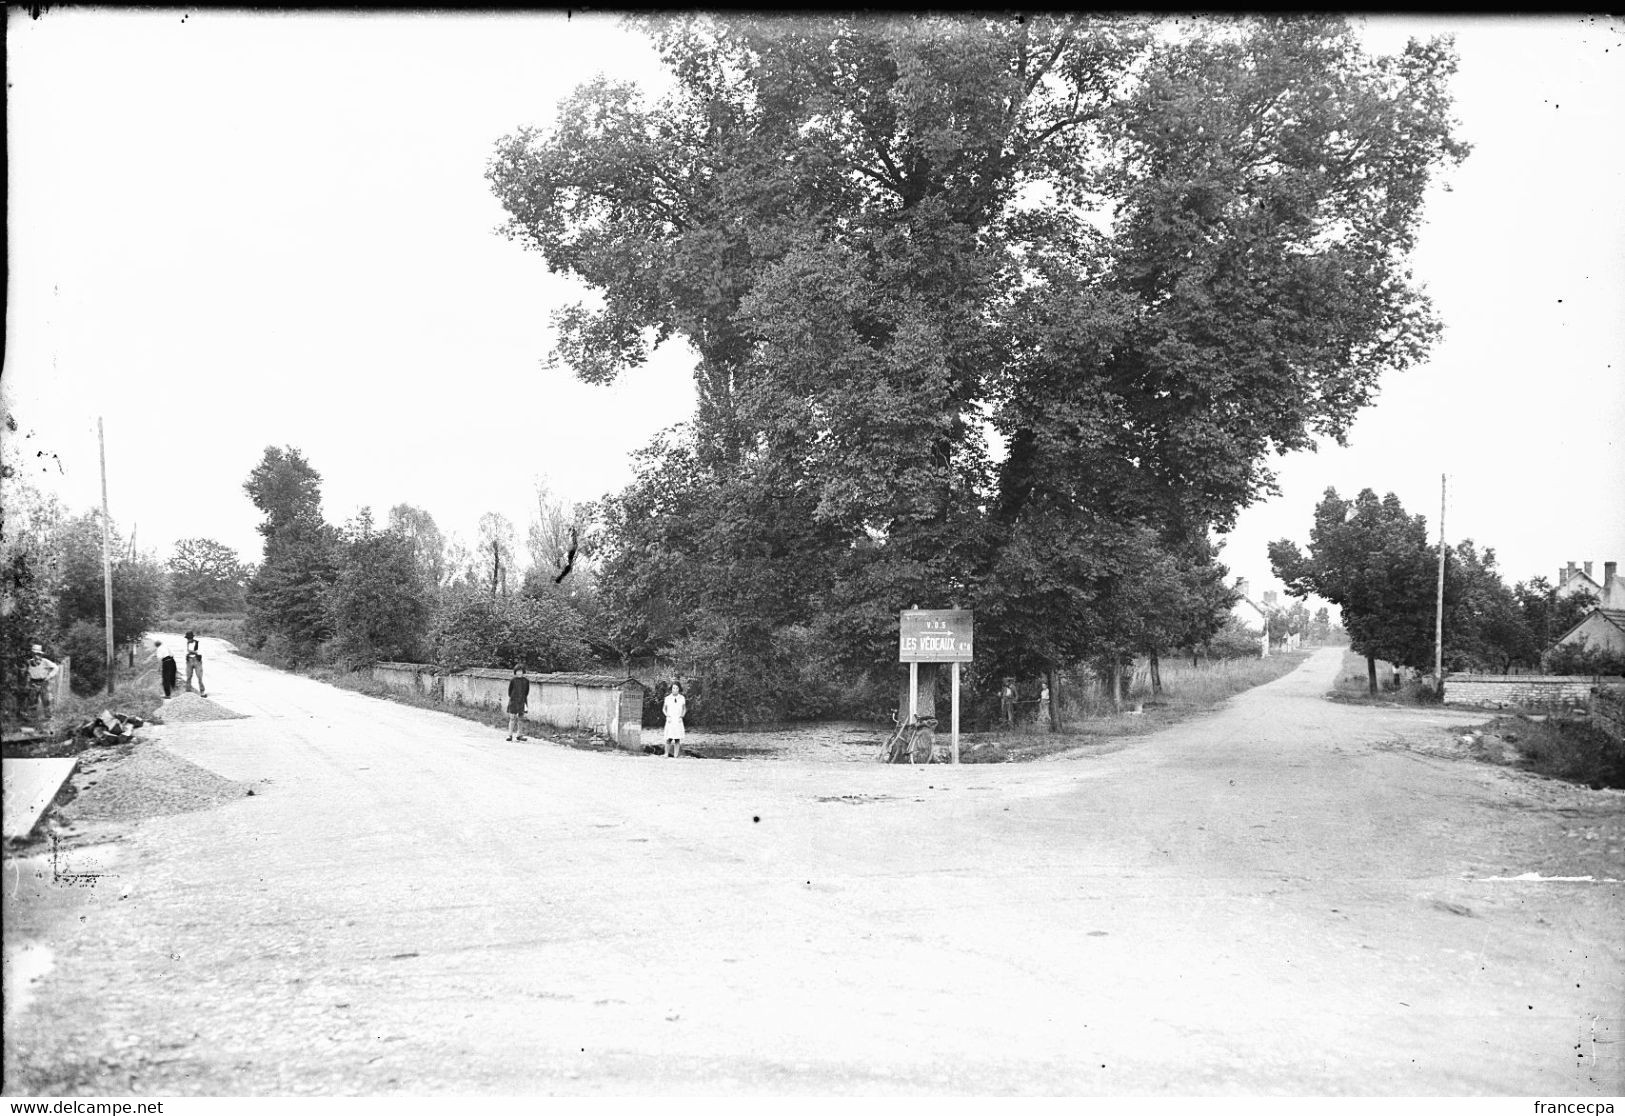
518 699
1007 701
194 664
166 666
675 707
1043 704
41 673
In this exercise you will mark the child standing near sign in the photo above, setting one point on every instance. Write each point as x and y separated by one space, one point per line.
675 707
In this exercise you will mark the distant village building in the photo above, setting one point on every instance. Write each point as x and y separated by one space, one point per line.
1272 604
1603 627
1249 614
1610 591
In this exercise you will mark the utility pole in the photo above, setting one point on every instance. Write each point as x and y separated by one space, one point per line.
107 557
1438 613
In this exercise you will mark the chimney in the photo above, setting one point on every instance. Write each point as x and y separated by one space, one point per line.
1241 586
1269 597
1610 570
1588 569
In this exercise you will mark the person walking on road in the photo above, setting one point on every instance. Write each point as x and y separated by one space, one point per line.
518 699
166 666
194 664
41 672
675 707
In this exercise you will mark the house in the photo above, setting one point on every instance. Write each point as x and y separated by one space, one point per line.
1272 605
1249 614
1603 627
1610 591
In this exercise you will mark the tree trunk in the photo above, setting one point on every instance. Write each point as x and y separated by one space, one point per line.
1054 677
928 692
1371 673
1156 675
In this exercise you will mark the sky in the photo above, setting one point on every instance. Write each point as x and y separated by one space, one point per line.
235 230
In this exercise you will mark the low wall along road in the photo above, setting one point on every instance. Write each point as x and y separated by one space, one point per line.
594 702
1530 690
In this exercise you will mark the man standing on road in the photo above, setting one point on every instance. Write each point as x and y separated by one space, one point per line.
194 664
1007 701
41 671
518 698
166 666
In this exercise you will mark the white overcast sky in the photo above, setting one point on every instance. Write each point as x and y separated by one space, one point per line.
233 230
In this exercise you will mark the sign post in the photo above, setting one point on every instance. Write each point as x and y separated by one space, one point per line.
935 635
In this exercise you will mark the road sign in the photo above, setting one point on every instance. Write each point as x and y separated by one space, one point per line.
935 635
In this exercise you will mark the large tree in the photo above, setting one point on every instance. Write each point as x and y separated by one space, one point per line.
206 576
288 594
1145 255
428 543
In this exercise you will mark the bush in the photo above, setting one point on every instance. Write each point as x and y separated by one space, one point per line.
1581 659
1572 750
1233 641
476 630
377 607
87 644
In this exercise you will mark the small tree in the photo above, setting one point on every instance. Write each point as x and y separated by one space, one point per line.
138 584
1548 616
493 554
1372 560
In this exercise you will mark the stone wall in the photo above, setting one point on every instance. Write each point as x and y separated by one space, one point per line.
595 702
1542 691
408 678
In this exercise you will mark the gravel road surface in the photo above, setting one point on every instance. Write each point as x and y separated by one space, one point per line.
1285 897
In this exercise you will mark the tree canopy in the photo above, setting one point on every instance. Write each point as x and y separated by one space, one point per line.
288 595
206 576
1003 312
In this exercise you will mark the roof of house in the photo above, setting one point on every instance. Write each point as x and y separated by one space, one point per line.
1250 603
1572 581
1614 616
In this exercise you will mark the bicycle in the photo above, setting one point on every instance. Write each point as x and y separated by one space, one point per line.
912 741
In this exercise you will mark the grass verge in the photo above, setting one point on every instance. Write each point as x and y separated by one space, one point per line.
1353 685
1571 750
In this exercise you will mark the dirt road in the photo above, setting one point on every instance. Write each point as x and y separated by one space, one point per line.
1275 899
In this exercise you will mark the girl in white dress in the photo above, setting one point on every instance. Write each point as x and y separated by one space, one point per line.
674 707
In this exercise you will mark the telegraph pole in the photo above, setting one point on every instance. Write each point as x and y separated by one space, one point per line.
107 557
1438 614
